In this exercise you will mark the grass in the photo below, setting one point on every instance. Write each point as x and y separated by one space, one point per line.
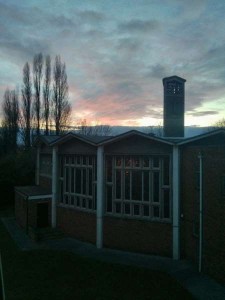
46 274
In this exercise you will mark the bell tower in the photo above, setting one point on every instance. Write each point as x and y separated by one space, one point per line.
173 116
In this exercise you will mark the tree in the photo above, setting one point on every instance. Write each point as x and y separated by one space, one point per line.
156 130
217 125
100 130
37 77
10 123
26 105
61 105
46 93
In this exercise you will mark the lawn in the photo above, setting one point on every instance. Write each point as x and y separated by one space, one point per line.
45 274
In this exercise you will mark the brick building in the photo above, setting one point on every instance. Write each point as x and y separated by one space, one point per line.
137 192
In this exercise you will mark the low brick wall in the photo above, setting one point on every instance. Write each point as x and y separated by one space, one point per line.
20 210
138 236
77 224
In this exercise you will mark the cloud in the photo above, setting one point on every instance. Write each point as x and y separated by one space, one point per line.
202 113
138 26
91 16
156 71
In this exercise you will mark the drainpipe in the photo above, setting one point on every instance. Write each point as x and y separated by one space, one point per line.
176 204
27 213
100 170
54 184
37 166
200 212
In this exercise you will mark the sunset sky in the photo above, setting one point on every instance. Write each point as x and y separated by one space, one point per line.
117 52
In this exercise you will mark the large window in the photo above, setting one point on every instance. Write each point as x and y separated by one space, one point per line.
78 181
138 186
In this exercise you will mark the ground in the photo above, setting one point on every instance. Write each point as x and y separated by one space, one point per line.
49 274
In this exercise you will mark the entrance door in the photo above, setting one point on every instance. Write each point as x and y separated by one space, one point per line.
42 215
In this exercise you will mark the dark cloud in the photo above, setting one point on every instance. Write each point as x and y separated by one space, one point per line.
91 16
129 45
156 71
138 26
203 113
61 21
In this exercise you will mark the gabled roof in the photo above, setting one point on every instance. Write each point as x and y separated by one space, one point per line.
201 136
46 139
92 140
132 133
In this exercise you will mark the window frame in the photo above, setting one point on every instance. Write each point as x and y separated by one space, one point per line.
151 168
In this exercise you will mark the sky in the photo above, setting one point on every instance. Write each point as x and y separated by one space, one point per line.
117 52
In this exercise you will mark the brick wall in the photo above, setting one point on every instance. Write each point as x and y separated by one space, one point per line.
138 236
77 224
213 210
45 182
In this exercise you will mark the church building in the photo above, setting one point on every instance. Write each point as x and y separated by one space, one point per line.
135 192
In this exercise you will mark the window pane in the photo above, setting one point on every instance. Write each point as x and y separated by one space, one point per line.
118 161
90 160
166 171
155 162
146 210
67 180
118 184
127 185
109 169
78 201
61 166
72 180
78 160
90 203
90 182
84 160
156 187
127 209
136 162
72 200
84 203
145 162
136 185
78 181
84 181
118 208
109 198
66 199
155 211
67 159
136 209
128 161
166 209
146 185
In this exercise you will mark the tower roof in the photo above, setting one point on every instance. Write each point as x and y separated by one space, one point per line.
174 77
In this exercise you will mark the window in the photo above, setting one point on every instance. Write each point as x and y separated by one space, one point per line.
46 165
138 186
78 181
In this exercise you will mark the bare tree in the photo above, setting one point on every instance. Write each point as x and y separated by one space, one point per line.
61 105
217 125
10 123
100 130
156 130
46 93
26 104
37 77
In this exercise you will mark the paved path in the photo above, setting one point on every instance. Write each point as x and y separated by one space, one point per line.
200 286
